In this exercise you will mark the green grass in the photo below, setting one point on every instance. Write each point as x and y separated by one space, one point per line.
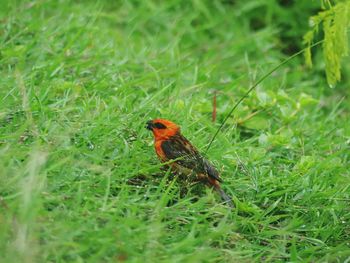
79 179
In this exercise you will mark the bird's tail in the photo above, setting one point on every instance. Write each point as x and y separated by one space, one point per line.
224 196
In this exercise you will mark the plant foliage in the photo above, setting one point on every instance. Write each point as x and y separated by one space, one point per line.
335 22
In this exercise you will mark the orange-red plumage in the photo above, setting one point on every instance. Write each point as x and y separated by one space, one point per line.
170 144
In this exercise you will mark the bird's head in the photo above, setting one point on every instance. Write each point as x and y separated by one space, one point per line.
162 129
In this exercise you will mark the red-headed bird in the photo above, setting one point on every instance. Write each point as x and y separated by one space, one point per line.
171 145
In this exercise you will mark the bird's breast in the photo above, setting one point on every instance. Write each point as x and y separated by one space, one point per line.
159 150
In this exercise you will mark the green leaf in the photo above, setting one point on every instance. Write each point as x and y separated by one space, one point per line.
257 123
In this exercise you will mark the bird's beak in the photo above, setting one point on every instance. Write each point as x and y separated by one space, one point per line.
149 125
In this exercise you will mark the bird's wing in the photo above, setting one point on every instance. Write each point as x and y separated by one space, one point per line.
178 147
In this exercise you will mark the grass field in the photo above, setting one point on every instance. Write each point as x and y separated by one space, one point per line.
79 179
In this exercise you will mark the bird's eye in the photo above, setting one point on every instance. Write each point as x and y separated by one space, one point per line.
159 125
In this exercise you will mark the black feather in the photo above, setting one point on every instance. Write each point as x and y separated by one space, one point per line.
179 147
159 125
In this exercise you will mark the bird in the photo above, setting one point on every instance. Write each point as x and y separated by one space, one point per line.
182 157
